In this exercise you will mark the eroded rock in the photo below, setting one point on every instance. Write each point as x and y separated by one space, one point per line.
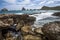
52 30
26 29
15 24
31 37
38 31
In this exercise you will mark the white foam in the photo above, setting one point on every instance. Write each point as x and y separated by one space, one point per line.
42 15
19 13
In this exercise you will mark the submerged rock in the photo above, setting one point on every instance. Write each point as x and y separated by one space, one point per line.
52 30
56 14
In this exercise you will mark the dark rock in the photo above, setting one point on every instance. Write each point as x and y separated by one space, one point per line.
50 8
1 37
23 9
56 14
52 30
4 9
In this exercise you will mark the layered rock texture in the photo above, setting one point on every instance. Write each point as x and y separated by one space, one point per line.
52 30
17 27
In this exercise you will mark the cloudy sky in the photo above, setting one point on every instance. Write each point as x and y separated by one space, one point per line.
18 4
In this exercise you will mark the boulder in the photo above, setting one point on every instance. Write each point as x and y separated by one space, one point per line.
26 29
56 14
6 22
38 31
31 37
52 30
10 36
27 19
20 25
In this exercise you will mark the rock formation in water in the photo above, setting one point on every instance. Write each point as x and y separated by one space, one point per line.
23 9
56 14
4 9
52 30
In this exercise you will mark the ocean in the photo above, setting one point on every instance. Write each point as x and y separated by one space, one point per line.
42 16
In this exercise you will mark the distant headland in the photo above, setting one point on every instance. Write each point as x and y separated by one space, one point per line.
50 8
43 8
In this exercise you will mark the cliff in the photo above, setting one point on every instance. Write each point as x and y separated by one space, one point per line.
50 8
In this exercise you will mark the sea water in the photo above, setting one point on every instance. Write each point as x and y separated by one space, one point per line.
42 16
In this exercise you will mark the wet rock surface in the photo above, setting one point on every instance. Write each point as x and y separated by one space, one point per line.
52 30
56 14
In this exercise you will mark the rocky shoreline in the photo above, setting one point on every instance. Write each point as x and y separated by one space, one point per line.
19 27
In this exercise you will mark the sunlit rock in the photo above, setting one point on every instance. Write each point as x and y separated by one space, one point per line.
31 37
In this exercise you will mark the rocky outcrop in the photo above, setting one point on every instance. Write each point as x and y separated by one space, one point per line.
52 30
50 8
11 24
31 37
56 14
38 31
4 9
11 19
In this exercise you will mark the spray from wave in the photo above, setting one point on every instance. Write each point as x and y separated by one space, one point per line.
44 18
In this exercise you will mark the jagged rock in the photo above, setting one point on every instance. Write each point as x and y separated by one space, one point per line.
10 36
23 9
15 23
12 18
3 24
6 22
56 14
20 25
31 37
52 30
27 19
38 31
26 29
